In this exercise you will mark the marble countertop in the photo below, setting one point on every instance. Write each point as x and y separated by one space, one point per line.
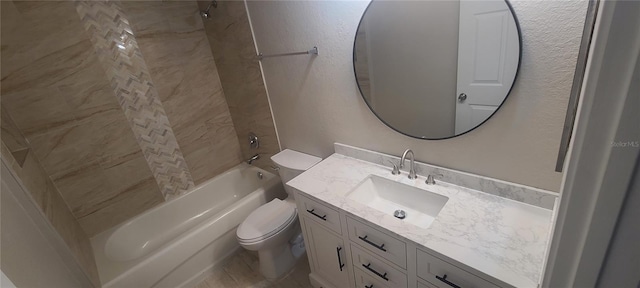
502 238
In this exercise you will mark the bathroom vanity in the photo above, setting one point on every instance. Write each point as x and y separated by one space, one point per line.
463 231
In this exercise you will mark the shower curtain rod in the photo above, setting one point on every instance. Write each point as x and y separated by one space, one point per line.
313 51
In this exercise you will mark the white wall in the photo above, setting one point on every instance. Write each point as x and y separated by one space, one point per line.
316 102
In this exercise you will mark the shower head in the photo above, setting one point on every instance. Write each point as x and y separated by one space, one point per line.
207 13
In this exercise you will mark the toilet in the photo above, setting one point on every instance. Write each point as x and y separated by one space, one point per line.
273 229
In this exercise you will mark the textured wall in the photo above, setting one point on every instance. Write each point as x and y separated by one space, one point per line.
233 48
316 102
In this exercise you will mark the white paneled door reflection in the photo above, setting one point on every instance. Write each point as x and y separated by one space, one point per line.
488 58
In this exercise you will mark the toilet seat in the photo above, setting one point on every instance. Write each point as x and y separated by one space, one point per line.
266 221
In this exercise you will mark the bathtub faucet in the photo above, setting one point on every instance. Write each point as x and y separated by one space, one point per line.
253 158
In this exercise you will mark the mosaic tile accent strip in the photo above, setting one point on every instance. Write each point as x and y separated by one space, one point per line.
120 56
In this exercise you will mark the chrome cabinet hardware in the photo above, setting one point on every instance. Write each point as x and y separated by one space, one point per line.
381 247
340 264
312 211
444 279
383 276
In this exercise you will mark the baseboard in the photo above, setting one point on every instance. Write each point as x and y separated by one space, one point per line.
318 282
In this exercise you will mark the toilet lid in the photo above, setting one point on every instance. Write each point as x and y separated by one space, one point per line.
266 221
295 160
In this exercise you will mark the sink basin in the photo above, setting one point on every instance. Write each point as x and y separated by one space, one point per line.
421 206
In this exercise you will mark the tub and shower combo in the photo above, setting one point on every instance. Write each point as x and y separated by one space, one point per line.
177 243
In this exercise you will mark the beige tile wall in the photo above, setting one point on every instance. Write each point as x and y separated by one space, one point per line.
107 25
173 42
48 198
15 143
54 88
231 42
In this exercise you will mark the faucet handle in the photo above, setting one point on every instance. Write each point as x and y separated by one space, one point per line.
395 170
431 178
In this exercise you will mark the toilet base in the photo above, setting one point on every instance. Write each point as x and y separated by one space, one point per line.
276 262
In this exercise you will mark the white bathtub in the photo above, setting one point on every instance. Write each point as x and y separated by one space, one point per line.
173 244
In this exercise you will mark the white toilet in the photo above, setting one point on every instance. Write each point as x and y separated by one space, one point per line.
272 227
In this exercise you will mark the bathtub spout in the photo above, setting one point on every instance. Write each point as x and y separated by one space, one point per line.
253 158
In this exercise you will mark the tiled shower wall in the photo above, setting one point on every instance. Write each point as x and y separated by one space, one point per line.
16 154
114 127
233 48
56 91
174 44
117 49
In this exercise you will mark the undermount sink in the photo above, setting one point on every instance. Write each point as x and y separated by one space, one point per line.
421 206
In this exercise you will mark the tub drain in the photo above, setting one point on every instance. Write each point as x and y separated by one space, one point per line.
400 214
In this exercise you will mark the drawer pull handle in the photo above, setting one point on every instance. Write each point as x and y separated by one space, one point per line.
383 276
324 218
381 247
370 286
444 279
340 264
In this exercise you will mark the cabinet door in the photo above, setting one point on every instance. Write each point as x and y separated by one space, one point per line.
328 255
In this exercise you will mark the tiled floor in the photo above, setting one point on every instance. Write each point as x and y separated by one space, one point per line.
242 271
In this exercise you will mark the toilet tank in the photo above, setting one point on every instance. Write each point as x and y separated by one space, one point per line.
293 163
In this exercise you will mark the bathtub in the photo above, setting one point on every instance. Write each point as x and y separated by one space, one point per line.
175 244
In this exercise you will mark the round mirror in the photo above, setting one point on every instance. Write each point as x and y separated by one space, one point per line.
436 69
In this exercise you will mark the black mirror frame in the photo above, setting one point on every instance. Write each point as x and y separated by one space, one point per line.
515 78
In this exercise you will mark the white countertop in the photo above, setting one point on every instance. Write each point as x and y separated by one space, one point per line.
502 238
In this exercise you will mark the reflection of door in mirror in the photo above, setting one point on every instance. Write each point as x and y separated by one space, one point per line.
487 29
412 59
406 53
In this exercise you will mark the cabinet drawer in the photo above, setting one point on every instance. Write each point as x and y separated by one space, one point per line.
434 270
377 269
363 280
377 242
319 213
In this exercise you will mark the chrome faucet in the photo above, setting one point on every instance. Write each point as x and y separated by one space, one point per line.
431 179
396 170
412 170
253 158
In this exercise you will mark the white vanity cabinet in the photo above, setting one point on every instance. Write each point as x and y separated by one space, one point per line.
327 254
345 251
328 257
